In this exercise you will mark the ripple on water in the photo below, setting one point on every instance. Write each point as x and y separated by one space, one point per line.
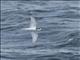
59 38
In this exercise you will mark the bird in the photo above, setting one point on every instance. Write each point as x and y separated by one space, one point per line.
33 29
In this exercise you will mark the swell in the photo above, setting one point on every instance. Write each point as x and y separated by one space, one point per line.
71 40
59 38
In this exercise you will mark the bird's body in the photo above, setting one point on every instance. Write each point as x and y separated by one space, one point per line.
30 29
33 29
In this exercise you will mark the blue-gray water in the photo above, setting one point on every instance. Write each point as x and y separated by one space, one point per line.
59 38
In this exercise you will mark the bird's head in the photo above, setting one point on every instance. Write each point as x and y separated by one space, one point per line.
39 29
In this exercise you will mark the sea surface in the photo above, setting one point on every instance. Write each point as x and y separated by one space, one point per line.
59 38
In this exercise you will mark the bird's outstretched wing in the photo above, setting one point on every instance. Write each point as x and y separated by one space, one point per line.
34 36
33 22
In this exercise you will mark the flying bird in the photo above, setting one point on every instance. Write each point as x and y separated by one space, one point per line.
33 29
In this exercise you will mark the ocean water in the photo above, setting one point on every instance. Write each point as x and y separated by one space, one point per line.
59 38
